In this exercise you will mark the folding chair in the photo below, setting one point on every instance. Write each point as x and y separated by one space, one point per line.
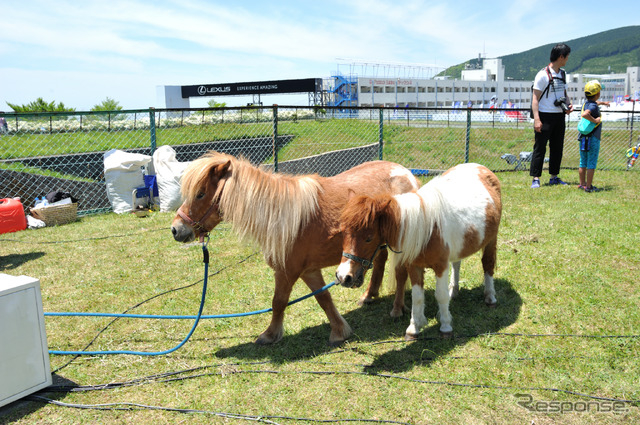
148 191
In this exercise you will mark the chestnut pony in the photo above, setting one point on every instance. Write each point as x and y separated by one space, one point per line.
294 220
448 219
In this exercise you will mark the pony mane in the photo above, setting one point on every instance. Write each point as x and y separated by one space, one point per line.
196 176
359 212
362 212
421 212
268 208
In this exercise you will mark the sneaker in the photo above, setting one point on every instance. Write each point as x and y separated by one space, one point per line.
592 189
535 184
555 180
581 187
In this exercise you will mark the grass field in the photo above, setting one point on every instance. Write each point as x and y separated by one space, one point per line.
564 336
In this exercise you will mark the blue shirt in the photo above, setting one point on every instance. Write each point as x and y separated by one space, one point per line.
595 113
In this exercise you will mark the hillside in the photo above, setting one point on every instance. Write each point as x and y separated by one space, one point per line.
601 53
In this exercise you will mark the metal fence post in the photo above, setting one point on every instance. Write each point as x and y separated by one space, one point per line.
275 138
632 115
380 131
152 129
468 137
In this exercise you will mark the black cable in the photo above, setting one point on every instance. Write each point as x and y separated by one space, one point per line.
172 377
261 418
167 377
159 378
148 300
545 335
447 383
94 238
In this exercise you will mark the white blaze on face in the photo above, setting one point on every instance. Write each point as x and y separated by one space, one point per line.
343 270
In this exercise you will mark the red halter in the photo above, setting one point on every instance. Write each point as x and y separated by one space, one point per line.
198 225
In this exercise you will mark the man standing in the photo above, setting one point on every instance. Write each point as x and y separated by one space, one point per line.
549 104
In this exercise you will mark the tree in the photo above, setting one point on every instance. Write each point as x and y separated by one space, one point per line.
213 104
107 105
39 105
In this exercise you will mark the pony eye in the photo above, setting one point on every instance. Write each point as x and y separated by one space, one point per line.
200 195
369 238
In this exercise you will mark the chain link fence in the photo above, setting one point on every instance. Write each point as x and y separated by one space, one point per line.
41 153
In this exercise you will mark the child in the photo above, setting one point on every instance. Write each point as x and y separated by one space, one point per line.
589 158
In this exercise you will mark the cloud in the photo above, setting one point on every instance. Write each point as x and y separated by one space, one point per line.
125 45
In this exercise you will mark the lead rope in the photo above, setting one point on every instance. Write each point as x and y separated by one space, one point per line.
205 254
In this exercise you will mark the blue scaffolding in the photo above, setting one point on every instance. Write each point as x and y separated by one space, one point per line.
344 92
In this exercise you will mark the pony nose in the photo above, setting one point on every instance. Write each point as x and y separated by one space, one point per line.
345 281
358 279
182 234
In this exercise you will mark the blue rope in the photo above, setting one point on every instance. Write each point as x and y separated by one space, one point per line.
180 317
205 253
197 318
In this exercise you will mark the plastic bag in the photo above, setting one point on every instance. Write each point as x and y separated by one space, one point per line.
122 174
168 173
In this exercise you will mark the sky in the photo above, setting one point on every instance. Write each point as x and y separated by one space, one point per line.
82 52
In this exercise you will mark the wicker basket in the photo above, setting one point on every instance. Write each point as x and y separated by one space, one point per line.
57 214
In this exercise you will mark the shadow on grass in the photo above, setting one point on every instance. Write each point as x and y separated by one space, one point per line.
24 407
13 261
372 324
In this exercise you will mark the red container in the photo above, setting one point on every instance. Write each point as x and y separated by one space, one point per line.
12 216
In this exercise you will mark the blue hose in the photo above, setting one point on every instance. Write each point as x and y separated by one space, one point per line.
197 318
181 317
205 253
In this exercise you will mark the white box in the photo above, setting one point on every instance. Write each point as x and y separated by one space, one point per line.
24 354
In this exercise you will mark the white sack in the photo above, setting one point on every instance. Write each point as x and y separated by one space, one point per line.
168 174
122 174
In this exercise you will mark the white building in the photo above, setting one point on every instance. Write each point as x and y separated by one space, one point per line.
481 87
477 88
616 86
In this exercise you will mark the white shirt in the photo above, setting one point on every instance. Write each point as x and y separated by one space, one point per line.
556 90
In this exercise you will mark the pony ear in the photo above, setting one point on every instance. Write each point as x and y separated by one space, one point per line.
333 232
350 194
221 169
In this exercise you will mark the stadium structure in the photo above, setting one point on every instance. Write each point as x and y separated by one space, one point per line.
409 86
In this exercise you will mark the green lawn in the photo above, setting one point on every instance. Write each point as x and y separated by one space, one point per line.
565 332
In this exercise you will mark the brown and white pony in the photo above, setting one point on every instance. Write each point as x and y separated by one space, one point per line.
294 220
448 219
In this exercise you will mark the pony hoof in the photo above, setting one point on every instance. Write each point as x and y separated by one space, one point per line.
337 343
491 305
410 337
365 300
446 335
265 339
395 313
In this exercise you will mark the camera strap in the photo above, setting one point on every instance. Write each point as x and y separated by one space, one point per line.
563 78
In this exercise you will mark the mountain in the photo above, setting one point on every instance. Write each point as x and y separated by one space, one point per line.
605 52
